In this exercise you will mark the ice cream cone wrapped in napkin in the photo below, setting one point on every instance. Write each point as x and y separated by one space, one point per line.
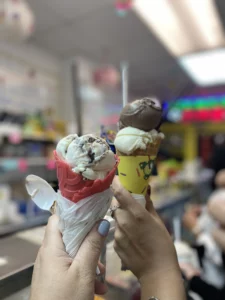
137 144
85 169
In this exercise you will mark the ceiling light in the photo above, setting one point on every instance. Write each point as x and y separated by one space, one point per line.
205 68
182 26
202 20
161 18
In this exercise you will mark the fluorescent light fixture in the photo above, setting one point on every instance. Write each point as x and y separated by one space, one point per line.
182 26
205 68
203 21
161 18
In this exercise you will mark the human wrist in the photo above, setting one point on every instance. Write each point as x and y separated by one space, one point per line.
159 284
161 272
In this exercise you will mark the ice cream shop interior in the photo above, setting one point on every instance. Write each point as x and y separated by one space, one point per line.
100 94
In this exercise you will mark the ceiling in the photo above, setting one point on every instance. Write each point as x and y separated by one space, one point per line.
93 29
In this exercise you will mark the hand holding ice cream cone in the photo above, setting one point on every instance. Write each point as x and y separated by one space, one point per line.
85 169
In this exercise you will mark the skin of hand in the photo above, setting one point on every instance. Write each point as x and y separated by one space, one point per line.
145 246
191 216
189 271
57 276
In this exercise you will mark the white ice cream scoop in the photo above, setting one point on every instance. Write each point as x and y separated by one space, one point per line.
130 139
88 155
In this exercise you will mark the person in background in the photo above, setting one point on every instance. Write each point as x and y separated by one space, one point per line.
141 241
220 179
213 242
217 211
194 211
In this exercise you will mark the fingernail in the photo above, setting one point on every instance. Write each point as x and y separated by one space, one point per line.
103 228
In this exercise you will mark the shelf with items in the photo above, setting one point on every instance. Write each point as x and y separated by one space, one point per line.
17 176
45 138
20 137
17 211
16 169
18 157
13 228
40 137
15 147
39 126
23 163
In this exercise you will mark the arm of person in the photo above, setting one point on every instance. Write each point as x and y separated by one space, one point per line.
169 285
146 248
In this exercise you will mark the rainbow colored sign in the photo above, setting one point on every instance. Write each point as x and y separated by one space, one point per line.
198 109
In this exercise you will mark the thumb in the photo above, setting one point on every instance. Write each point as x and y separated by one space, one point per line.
90 250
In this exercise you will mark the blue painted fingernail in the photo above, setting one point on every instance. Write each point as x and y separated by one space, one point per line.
103 228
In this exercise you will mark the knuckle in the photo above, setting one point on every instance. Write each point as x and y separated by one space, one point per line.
139 216
123 223
118 236
118 192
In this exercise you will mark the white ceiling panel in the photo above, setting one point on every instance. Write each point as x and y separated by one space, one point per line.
93 29
71 9
46 17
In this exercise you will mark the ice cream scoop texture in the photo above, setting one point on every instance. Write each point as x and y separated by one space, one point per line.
144 114
130 139
87 155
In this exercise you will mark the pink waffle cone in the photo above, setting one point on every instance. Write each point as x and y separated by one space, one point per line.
73 186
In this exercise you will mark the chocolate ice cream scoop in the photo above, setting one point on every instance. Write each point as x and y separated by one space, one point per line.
144 114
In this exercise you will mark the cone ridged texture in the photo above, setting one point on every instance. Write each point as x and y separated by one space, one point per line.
74 187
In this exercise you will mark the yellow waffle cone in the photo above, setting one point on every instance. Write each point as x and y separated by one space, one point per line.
134 170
